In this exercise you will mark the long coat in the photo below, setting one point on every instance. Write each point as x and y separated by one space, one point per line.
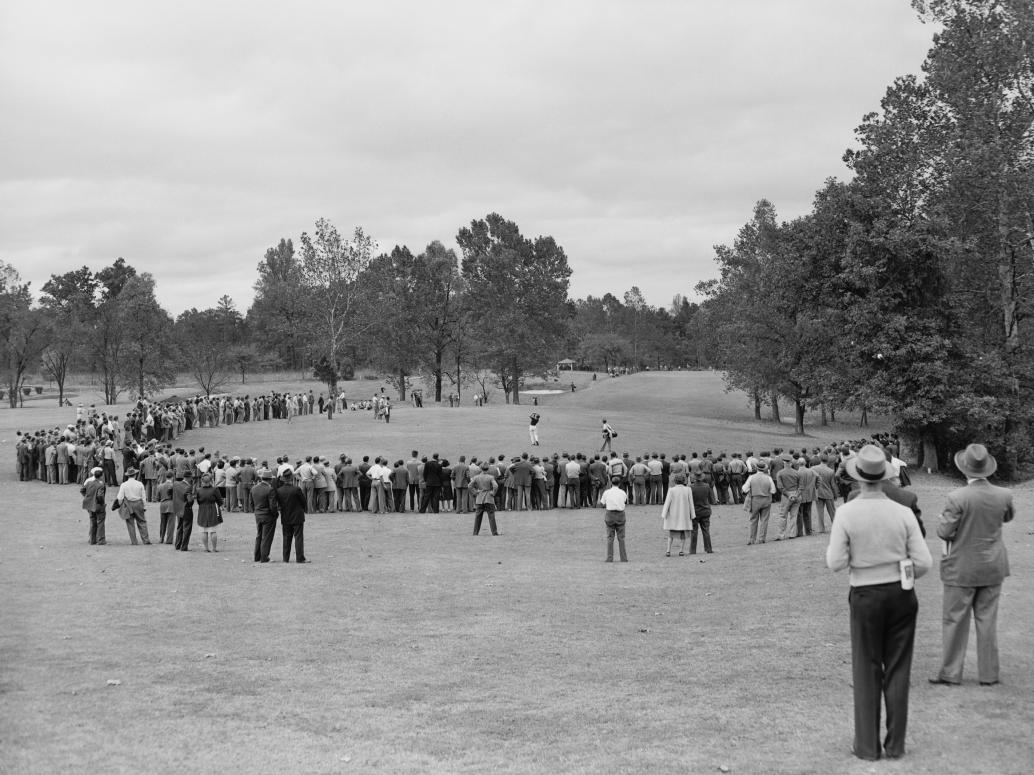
208 507
677 512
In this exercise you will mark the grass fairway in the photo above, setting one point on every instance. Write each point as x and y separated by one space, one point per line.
410 646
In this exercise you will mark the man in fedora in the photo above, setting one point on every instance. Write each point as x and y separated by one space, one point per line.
267 509
880 542
974 566
759 489
93 492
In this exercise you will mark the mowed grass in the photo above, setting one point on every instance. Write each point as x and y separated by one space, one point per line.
409 645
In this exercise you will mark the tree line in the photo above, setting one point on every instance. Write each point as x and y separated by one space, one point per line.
495 315
909 289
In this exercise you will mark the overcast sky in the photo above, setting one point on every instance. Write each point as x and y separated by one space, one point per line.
190 136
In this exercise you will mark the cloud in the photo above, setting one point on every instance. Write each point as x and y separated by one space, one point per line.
189 137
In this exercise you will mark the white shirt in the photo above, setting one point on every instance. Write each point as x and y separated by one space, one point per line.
614 499
131 490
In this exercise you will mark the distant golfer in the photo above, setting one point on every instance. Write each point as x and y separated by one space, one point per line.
533 428
608 434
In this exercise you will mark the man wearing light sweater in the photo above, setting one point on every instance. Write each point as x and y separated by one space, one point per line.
872 535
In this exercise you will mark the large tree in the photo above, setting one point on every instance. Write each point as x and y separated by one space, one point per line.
517 291
276 319
439 291
330 269
70 301
944 195
394 312
148 356
24 331
202 340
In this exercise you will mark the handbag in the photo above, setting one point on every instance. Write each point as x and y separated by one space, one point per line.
115 505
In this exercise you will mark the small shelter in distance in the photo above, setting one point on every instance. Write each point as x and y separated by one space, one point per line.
566 363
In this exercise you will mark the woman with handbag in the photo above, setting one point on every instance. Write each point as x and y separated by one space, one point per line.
209 513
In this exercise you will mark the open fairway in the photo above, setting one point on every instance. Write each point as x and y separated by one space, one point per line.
410 646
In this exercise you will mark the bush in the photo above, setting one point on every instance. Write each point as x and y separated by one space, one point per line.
39 390
27 390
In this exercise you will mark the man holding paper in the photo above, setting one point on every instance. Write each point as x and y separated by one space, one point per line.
880 541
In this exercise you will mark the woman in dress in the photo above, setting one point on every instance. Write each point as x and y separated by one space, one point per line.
209 513
447 494
677 513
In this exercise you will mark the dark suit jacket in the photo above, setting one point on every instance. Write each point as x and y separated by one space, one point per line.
807 479
182 494
972 521
291 501
433 473
264 498
522 474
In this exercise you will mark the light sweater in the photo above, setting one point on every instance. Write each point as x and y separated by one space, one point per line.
872 534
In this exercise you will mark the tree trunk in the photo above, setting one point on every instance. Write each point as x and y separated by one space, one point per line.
832 413
516 382
459 380
437 376
823 421
775 408
798 421
757 405
402 386
864 421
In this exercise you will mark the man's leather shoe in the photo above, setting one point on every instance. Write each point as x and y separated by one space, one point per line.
989 683
939 680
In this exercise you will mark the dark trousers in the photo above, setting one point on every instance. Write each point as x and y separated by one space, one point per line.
703 524
264 532
110 478
184 526
97 527
165 527
883 625
736 485
482 508
400 500
364 495
615 522
294 532
432 496
414 496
